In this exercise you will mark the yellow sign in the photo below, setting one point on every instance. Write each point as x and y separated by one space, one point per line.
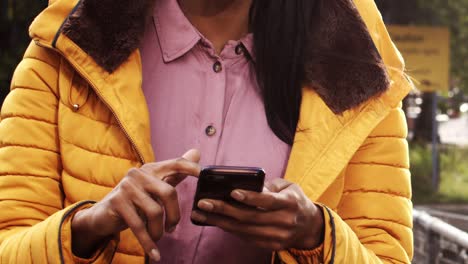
426 51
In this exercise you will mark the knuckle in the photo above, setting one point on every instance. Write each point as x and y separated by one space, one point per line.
292 200
276 184
272 202
138 227
146 166
297 196
149 168
276 246
218 206
133 172
290 196
283 236
247 217
179 163
295 205
226 226
180 160
241 217
279 181
169 193
155 212
291 221
126 185
115 200
163 165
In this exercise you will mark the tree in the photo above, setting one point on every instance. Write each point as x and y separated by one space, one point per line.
15 17
454 14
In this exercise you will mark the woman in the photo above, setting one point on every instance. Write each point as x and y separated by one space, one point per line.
298 87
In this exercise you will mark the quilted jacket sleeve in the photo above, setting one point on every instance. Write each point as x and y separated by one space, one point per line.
34 226
373 222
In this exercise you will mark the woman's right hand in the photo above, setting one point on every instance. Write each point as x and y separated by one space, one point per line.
144 201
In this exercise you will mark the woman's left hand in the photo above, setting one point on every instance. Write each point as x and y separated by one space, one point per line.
279 218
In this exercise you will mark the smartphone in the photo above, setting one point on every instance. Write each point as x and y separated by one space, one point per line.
217 183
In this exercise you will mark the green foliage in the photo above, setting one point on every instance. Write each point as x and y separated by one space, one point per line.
453 14
453 174
450 13
421 169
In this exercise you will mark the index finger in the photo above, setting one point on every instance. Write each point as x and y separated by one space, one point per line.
192 155
178 168
266 200
166 168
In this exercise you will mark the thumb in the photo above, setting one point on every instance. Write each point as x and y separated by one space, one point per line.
277 185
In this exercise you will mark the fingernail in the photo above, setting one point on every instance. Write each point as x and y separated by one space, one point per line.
238 195
154 254
207 206
198 217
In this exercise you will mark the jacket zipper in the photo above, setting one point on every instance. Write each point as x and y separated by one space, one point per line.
140 156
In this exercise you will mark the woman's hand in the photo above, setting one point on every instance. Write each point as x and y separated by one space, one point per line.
281 217
144 201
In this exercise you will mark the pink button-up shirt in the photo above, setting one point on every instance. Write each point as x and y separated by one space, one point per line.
198 99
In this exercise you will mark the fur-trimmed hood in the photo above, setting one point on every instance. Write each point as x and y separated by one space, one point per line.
344 67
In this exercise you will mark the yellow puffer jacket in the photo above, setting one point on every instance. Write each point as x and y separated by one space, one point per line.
70 130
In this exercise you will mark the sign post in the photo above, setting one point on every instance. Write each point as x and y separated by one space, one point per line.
435 144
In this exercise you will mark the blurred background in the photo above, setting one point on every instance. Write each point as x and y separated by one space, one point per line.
433 37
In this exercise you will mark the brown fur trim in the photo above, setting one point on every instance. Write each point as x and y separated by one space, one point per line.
108 30
343 65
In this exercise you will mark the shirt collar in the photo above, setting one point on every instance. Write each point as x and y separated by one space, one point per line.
177 35
248 43
175 32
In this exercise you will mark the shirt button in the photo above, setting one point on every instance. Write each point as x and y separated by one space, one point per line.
210 131
239 49
217 67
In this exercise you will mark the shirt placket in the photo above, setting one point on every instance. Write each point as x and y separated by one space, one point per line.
213 118
211 123
212 109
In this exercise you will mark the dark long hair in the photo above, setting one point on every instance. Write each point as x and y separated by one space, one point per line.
280 30
323 44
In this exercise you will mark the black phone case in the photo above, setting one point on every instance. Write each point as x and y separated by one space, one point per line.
217 183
